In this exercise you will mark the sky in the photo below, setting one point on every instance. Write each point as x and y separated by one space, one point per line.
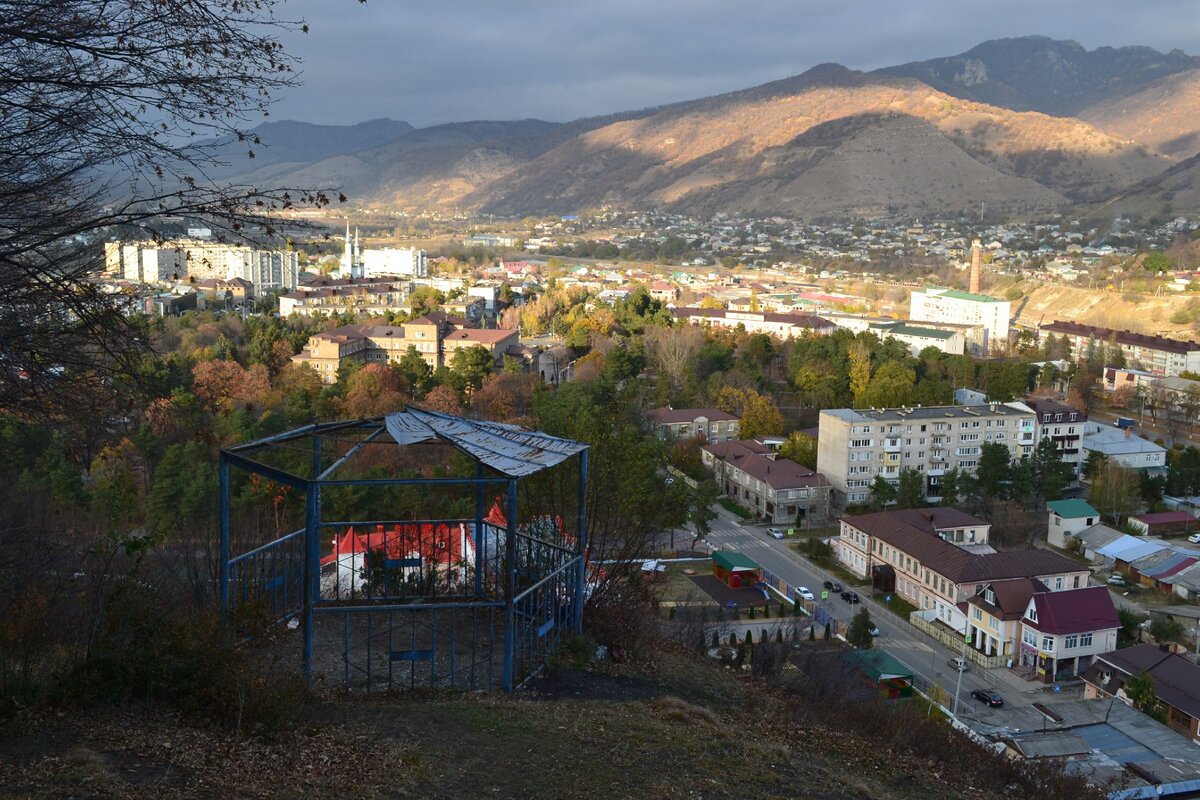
432 62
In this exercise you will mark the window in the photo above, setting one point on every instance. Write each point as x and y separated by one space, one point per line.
1032 614
1048 644
1076 583
1031 638
1058 583
1085 640
990 596
1071 642
976 613
860 442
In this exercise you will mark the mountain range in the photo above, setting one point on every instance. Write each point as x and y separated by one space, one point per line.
1024 126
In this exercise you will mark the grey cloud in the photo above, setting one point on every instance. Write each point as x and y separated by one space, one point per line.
432 62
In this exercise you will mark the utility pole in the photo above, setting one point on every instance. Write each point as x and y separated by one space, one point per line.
958 684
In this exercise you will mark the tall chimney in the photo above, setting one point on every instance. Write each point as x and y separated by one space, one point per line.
975 258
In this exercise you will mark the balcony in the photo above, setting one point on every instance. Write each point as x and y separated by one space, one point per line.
891 445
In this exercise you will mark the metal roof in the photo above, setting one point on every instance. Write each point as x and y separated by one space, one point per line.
1072 509
1129 548
508 449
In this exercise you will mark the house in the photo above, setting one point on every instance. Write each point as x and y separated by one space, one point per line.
1164 523
736 570
775 489
1176 683
1062 632
1122 447
937 558
994 614
1068 517
682 423
784 326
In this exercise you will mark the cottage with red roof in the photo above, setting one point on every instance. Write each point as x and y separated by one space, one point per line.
1063 632
441 551
775 489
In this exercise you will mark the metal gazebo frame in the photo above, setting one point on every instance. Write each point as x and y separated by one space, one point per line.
519 581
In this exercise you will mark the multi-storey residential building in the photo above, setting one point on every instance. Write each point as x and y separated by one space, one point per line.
713 424
784 326
394 261
1060 424
147 263
1062 632
776 489
855 445
268 270
963 308
370 298
434 336
1156 354
937 558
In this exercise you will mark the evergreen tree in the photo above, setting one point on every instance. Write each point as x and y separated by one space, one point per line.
859 632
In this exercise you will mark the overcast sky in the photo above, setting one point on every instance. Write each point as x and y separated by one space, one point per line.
431 62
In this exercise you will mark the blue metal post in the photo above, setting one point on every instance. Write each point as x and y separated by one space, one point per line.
480 542
224 590
581 543
312 556
510 592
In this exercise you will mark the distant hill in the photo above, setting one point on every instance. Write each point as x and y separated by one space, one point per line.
1164 114
929 138
1175 191
890 143
1036 73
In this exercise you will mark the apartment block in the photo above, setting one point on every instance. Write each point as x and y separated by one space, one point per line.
1062 425
938 304
435 337
856 445
1156 354
784 326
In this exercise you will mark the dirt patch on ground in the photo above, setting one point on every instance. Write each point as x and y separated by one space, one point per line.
1108 309
723 595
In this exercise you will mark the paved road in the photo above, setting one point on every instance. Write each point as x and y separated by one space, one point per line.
917 651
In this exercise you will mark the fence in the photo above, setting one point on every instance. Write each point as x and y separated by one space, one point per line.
954 641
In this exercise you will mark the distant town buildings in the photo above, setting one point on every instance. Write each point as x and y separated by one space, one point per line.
785 326
1156 354
963 308
394 261
267 270
683 423
856 445
435 337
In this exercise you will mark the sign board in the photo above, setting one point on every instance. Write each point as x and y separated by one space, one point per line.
825 595
791 531
888 599
967 638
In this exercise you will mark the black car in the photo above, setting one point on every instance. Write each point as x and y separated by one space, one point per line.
989 697
850 597
833 586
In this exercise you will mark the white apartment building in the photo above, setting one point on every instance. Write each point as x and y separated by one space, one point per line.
394 261
938 304
269 270
855 445
1060 424
147 263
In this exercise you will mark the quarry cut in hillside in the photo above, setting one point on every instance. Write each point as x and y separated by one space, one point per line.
1141 313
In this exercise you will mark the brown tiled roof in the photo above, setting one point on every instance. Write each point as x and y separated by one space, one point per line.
1176 680
1012 597
748 456
480 335
1075 611
669 416
914 532
1122 337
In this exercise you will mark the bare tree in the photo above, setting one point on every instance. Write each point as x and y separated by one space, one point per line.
111 113
673 351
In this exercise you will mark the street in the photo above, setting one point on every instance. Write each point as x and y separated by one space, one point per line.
925 657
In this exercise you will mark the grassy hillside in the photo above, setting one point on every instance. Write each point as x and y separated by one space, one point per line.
684 728
1110 309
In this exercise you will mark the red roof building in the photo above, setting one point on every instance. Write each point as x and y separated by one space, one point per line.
1063 632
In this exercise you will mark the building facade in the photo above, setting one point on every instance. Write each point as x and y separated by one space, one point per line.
938 558
395 261
1124 447
435 337
938 304
855 445
1155 354
783 326
775 489
1063 632
683 423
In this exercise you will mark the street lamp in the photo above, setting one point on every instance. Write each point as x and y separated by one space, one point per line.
959 667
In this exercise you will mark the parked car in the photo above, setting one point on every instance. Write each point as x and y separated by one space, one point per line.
833 586
805 592
959 664
993 699
875 631
1194 538
775 533
850 597
1116 580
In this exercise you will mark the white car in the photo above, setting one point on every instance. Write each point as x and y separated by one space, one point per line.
1194 538
775 533
805 592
